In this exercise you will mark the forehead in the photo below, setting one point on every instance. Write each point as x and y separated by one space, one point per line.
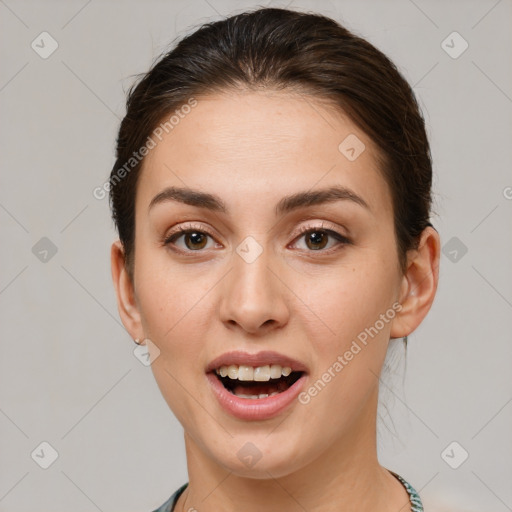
260 146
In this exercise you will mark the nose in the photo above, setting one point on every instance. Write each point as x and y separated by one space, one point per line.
254 298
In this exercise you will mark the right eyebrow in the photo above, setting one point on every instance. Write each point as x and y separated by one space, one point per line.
190 197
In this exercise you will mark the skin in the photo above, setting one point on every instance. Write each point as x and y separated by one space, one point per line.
251 149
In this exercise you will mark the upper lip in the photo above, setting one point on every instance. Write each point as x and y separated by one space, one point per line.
266 357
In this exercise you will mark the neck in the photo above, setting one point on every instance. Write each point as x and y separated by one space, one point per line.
347 476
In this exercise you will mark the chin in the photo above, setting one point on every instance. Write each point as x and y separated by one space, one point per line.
260 456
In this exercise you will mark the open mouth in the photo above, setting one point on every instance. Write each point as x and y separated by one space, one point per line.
257 382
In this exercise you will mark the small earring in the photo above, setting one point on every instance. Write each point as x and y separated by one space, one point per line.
137 341
405 341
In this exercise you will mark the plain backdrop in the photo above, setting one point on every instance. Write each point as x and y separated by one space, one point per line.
68 374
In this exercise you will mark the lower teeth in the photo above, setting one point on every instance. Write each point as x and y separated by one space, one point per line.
255 397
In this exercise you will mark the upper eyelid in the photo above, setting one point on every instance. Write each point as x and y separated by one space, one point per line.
323 226
192 227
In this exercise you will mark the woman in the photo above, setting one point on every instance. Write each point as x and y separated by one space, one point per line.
272 194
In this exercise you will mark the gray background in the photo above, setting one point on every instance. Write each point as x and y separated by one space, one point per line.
68 373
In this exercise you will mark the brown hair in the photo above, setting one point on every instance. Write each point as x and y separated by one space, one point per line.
284 49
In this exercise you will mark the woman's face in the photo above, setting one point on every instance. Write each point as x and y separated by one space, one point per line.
291 263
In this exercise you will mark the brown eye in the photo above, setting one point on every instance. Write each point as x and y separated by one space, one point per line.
316 239
193 240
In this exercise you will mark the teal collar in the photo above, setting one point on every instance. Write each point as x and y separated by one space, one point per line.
416 505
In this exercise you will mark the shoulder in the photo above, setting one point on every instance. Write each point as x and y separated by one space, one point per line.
168 506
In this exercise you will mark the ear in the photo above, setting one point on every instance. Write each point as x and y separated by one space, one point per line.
126 303
419 284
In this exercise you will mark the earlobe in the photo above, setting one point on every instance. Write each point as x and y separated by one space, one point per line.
419 284
125 293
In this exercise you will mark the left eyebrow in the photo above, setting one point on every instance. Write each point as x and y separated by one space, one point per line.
315 197
285 205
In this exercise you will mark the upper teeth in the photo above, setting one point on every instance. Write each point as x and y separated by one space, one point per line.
259 373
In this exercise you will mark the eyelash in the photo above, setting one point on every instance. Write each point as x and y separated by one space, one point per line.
189 228
342 240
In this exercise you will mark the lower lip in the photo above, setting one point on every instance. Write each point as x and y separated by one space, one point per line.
257 408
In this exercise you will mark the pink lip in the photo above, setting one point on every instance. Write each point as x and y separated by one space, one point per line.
261 408
254 409
259 359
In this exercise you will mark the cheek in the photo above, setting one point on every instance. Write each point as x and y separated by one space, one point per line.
345 301
173 313
175 302
170 294
349 339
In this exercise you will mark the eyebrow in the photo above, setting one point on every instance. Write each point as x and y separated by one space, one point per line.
285 205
